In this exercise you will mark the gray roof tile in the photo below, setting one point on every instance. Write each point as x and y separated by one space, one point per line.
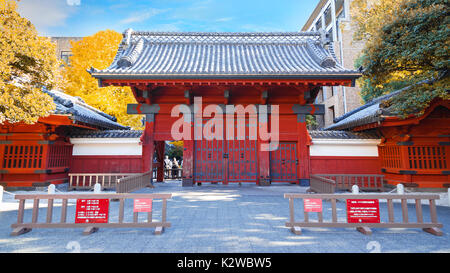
106 134
342 135
82 112
193 54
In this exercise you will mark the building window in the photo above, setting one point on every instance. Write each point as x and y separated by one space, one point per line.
340 11
331 110
327 15
333 91
319 24
65 56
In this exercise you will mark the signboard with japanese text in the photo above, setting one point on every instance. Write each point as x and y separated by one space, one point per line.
142 205
92 211
363 211
312 205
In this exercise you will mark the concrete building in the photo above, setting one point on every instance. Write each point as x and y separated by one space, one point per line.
63 47
334 16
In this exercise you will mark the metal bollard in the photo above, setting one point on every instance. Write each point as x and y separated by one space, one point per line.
97 188
400 189
51 189
355 189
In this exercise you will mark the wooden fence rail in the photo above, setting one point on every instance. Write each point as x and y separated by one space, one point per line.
88 180
321 183
174 173
22 227
431 227
134 182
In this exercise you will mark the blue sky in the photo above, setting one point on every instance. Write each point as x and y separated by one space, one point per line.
86 17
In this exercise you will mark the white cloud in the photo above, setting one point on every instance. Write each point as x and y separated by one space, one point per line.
141 15
73 2
46 13
224 19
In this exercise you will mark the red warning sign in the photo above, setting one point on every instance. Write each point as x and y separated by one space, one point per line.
92 211
312 205
142 205
363 211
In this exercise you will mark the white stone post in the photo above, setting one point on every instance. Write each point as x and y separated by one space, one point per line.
1 194
97 188
400 189
355 189
448 196
51 189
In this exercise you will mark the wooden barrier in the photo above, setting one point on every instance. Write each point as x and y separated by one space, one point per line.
134 182
20 227
321 183
431 227
88 180
174 173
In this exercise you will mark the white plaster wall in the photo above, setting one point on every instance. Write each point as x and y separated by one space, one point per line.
106 146
344 147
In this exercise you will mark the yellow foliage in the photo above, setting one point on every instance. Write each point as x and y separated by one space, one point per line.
27 63
178 143
98 51
370 15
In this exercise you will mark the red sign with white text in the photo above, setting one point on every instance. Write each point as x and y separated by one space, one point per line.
312 205
92 211
363 211
142 205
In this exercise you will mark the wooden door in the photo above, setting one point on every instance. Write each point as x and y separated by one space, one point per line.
283 163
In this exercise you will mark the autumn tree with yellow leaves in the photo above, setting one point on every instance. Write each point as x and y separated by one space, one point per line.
27 64
98 51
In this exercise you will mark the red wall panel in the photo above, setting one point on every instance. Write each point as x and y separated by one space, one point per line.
106 164
345 165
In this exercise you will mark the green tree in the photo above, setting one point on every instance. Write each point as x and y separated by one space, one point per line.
410 45
27 63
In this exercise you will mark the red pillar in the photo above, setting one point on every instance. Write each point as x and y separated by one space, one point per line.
148 144
303 142
188 158
160 147
188 162
263 156
264 165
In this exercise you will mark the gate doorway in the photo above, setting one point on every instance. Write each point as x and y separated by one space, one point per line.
284 163
225 161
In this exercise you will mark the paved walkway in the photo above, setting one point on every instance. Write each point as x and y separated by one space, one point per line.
217 218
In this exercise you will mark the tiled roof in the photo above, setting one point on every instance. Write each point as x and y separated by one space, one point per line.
343 135
372 111
82 112
174 55
106 134
368 113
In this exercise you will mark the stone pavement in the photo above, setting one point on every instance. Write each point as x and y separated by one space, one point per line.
217 218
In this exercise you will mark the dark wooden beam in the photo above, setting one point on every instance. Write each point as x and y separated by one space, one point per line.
264 96
226 96
309 109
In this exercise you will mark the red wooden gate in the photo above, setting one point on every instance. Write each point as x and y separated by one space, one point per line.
225 161
209 163
284 163
242 163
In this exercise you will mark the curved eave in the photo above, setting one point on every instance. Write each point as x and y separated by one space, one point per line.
226 76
